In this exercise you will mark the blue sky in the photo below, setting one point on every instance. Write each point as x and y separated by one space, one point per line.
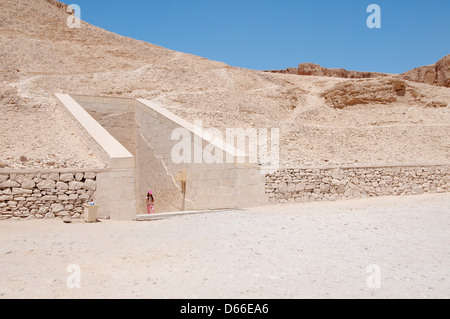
276 34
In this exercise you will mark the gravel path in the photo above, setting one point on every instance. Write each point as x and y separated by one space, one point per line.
313 250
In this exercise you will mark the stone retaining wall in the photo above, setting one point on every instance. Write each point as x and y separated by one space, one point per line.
45 195
319 184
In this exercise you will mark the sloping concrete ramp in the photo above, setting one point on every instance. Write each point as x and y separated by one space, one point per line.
137 139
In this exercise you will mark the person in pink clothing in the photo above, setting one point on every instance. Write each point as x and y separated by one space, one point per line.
150 203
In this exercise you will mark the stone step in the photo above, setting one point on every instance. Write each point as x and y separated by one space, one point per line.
152 217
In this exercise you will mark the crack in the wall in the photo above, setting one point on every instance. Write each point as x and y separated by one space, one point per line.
162 161
160 158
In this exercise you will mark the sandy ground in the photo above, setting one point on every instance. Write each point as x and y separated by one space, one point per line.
313 250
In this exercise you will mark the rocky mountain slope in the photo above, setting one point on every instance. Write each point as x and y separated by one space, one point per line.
323 120
313 69
436 74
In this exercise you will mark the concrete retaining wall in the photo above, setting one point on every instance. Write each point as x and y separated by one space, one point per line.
115 192
209 186
143 130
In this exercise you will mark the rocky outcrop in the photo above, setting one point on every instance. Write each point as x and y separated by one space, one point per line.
381 91
436 74
9 96
312 69
61 6
378 91
287 71
317 70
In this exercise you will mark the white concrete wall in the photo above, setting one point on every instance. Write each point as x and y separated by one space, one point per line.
209 186
116 115
142 131
115 192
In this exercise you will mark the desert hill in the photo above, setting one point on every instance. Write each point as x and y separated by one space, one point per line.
323 120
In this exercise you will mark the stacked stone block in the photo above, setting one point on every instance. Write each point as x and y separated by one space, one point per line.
327 184
45 195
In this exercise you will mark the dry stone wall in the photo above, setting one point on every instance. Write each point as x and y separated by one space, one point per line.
45 195
320 184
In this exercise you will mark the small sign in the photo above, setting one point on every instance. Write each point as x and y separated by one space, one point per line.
180 176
